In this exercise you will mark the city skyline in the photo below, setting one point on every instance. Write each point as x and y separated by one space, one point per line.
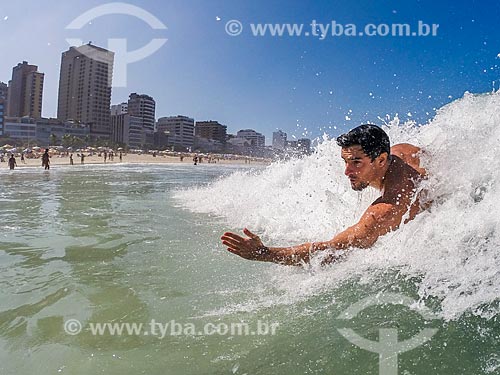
143 106
303 86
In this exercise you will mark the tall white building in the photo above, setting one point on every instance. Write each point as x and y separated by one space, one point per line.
181 129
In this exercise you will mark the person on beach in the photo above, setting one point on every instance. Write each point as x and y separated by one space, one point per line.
369 161
12 162
71 159
46 159
82 158
22 158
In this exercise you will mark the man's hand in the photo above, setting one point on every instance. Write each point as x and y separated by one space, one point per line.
249 248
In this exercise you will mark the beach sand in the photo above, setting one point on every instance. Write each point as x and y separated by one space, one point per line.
127 158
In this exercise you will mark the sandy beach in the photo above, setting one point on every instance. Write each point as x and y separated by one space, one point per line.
129 158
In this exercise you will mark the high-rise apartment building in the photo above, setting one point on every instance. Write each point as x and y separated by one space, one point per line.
85 88
25 91
255 139
180 128
127 129
141 105
119 109
279 140
211 130
4 89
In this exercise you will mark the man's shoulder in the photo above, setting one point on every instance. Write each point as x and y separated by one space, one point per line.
405 150
409 154
400 169
401 180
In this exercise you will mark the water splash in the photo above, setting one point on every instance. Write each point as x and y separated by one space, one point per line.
452 249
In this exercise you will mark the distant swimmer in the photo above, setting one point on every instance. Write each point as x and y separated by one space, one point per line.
46 159
369 161
12 162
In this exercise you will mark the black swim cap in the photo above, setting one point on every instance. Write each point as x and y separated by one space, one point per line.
372 139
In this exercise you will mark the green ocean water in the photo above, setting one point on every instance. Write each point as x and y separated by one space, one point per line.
110 244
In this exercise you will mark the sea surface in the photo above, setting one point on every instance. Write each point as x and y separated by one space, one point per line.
89 246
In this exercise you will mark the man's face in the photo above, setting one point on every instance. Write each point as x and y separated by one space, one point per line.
359 168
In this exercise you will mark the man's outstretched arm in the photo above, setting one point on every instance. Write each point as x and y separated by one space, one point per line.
377 220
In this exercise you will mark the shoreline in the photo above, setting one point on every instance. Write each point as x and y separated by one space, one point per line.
127 159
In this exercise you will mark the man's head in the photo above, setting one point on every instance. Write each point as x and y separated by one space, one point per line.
365 150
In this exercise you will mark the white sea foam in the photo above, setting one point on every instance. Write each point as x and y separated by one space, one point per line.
453 249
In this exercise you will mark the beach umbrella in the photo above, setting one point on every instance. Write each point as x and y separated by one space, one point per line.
7 146
119 148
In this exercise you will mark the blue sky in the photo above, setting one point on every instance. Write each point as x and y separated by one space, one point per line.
302 85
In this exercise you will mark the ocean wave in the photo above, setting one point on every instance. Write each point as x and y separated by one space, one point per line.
452 249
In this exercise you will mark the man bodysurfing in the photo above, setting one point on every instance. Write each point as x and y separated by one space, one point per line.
369 161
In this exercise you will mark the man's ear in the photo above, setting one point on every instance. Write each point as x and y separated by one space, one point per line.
382 159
